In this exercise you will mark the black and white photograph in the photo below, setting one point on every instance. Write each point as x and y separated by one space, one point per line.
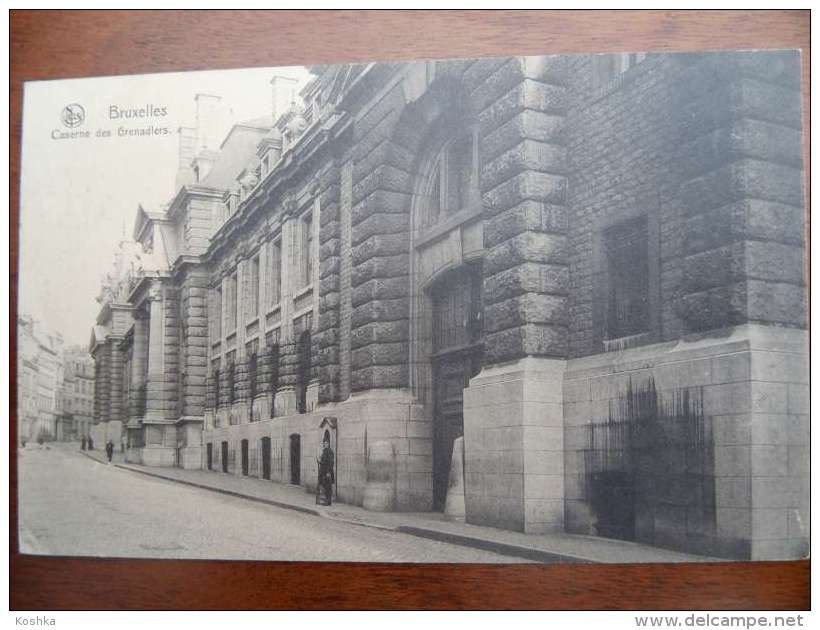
535 309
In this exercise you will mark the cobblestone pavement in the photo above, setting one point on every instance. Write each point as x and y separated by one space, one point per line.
72 505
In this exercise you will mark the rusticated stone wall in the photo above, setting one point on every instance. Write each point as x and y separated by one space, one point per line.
742 191
382 181
707 147
193 298
522 104
327 358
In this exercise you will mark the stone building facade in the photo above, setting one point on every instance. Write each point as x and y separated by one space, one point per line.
76 392
591 267
40 373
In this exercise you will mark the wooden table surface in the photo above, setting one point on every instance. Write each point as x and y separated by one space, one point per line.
64 44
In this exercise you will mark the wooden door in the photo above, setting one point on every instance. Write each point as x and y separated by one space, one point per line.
457 351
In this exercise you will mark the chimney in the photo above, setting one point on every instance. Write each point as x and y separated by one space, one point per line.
187 151
283 93
207 122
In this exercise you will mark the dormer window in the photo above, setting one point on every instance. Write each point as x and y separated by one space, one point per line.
452 183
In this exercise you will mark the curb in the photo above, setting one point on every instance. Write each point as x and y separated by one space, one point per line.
231 493
504 549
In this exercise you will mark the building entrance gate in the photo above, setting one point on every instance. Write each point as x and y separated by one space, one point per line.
457 353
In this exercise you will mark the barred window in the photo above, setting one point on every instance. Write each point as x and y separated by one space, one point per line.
274 375
627 310
215 377
231 376
252 350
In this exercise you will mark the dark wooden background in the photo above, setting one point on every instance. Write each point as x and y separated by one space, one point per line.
63 44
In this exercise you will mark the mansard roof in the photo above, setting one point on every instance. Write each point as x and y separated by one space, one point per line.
236 152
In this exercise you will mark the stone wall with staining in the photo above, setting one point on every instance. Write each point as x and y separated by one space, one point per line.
707 147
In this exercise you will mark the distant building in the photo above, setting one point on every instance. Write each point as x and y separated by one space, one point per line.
590 267
76 410
40 368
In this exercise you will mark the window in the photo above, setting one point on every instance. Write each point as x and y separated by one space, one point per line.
453 181
216 325
252 349
627 261
216 385
231 377
253 289
307 250
275 275
607 67
274 375
232 302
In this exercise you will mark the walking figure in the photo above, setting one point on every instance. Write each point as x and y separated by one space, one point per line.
109 450
90 443
82 444
326 472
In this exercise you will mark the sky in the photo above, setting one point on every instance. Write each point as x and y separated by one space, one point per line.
80 195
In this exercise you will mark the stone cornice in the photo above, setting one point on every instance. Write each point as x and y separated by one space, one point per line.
142 288
191 190
184 261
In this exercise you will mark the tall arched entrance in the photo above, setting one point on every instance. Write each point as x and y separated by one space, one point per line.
455 359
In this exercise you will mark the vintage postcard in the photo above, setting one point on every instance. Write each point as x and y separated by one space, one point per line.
522 309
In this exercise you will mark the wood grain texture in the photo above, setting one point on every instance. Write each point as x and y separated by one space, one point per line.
62 44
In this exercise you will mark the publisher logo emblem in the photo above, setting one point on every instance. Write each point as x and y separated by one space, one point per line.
72 115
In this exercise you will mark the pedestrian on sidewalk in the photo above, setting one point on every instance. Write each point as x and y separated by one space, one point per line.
122 443
109 450
90 443
326 471
82 444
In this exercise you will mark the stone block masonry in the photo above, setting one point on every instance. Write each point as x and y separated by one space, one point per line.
515 250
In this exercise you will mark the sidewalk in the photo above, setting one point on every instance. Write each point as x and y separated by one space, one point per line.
549 548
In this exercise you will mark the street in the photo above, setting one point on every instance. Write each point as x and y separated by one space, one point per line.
72 505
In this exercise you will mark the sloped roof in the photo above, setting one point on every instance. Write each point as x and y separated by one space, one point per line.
237 151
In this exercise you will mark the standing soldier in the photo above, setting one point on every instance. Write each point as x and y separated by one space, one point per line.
326 471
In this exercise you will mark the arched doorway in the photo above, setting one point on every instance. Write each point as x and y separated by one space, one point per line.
456 358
